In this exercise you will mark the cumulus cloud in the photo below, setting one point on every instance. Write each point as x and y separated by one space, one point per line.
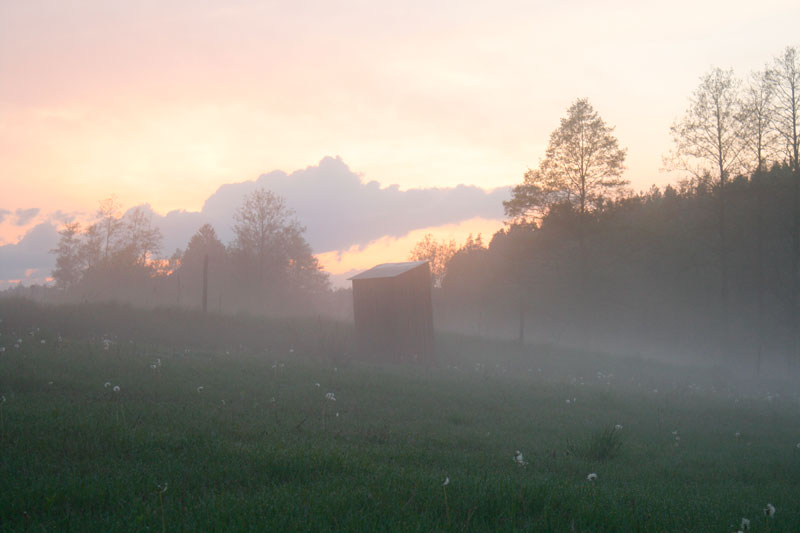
25 215
339 210
3 214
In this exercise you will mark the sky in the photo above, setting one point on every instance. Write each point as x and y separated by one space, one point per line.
166 103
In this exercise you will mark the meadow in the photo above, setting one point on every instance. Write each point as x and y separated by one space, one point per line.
114 419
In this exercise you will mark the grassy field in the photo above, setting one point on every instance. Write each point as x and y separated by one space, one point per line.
230 432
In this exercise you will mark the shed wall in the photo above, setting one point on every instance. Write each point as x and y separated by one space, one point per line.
394 316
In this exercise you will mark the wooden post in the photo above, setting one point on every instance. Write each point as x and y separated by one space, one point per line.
205 283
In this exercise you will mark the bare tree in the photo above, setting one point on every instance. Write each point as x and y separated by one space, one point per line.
583 162
784 77
761 144
140 237
109 224
437 253
709 143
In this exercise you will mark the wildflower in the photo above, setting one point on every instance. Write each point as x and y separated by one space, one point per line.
798 445
272 400
107 384
162 488
737 435
446 481
592 476
568 401
153 366
200 388
49 382
316 385
19 341
674 431
745 524
16 345
291 350
42 341
519 459
618 427
3 398
116 388
330 396
769 510
2 349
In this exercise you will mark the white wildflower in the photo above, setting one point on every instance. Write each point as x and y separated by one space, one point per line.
107 384
272 400
674 431
769 510
745 524
153 366
42 341
19 341
16 345
3 398
737 435
116 388
316 385
200 388
592 476
618 427
519 459
162 488
2 349
330 396
446 481
568 401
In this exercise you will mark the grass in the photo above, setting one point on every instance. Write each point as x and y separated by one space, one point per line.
249 451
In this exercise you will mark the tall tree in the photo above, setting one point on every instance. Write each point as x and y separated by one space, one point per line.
784 77
270 251
582 169
108 224
69 265
708 143
760 146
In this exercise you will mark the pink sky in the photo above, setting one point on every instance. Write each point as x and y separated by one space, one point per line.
162 102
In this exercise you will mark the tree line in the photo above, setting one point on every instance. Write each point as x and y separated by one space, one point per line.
268 267
710 265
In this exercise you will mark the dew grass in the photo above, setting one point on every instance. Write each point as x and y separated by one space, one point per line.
249 451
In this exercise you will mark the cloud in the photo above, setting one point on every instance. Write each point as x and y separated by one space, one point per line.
25 215
30 255
339 210
3 214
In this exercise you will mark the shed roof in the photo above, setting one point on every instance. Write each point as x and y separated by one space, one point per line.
388 270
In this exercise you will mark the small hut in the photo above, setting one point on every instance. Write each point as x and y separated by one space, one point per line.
393 311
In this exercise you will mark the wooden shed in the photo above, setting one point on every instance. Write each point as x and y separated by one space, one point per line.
393 311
